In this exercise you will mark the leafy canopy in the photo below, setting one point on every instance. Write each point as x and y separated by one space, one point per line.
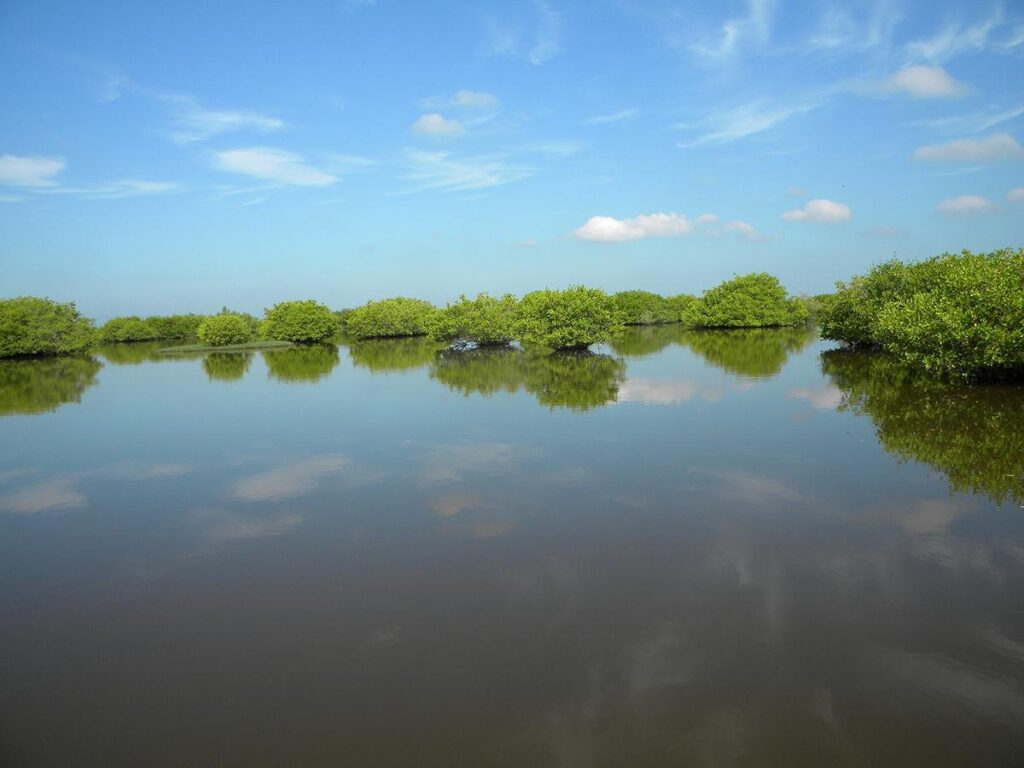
571 319
757 300
34 326
225 328
485 320
645 308
399 316
305 322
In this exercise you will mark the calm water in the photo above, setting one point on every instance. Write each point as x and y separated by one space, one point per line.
699 549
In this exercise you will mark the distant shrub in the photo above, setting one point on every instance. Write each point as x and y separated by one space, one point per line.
175 326
225 328
485 320
644 308
757 300
305 322
679 303
34 326
390 317
122 329
957 314
341 317
571 319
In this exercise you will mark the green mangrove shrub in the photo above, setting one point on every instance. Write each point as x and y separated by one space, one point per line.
644 308
128 329
225 328
485 321
757 300
571 319
35 326
954 314
175 326
305 322
399 316
678 304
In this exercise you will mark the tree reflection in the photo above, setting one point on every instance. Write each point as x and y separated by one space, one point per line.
972 434
39 385
578 381
644 340
402 354
301 363
227 366
754 352
133 353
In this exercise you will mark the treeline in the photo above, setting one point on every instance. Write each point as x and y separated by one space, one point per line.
956 314
574 318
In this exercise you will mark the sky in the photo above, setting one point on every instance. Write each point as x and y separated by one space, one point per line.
180 157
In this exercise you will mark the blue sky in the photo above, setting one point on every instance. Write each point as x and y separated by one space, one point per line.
182 156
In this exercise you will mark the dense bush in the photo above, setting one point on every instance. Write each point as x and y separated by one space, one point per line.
571 319
225 328
175 326
390 317
33 326
757 300
485 320
305 322
645 308
679 303
128 329
38 386
959 314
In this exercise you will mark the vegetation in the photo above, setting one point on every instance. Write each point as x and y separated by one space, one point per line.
227 366
679 303
389 318
957 314
757 300
971 434
304 322
34 326
393 355
307 363
645 308
188 349
136 329
572 319
485 321
175 326
224 329
38 386
753 352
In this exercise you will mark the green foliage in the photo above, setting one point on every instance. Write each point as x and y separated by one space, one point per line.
754 352
175 326
307 363
957 314
757 300
645 308
122 329
485 321
44 384
392 355
972 434
679 303
34 326
571 319
305 322
389 318
227 366
341 317
225 328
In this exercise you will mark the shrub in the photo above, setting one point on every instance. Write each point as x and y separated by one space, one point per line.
644 308
757 300
679 303
34 326
122 329
225 328
175 326
306 322
390 317
485 320
571 319
957 314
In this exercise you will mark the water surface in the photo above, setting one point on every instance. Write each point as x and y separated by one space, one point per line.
720 549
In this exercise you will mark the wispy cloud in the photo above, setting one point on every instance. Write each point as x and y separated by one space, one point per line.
974 122
30 170
840 30
193 122
536 42
462 99
994 33
607 229
821 211
737 35
966 205
621 116
745 120
1015 195
119 188
275 164
445 171
990 149
923 82
434 124
747 231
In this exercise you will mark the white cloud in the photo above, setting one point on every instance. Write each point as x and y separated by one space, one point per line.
463 99
433 124
545 43
747 231
750 30
194 123
275 164
923 83
966 205
1015 195
990 149
821 211
29 171
511 40
742 121
609 229
972 123
994 34
615 117
442 170
707 218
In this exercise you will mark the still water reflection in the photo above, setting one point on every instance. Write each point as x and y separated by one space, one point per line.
684 549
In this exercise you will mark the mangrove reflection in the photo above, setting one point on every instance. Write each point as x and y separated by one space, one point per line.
645 340
134 353
753 352
401 354
971 434
304 363
227 366
39 385
578 381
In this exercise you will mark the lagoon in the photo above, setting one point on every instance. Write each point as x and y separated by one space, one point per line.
688 548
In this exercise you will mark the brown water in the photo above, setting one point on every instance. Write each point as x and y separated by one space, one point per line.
698 549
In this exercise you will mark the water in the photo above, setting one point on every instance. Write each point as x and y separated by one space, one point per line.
689 549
